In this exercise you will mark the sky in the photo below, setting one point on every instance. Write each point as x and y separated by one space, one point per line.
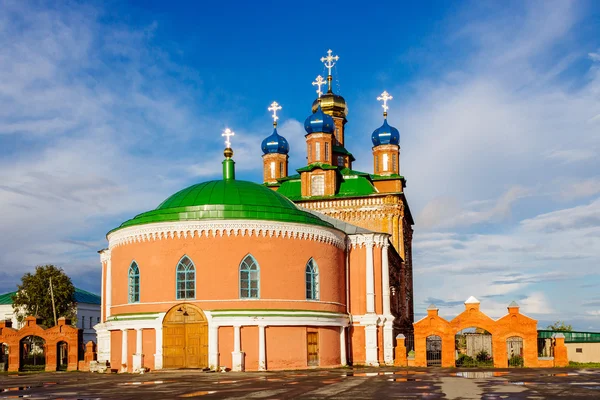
108 107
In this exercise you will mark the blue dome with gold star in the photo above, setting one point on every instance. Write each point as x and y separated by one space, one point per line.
385 134
319 122
275 144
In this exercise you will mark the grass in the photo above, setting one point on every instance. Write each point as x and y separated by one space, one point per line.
574 364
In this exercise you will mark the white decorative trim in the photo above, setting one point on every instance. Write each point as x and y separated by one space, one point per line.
178 229
104 255
365 319
368 239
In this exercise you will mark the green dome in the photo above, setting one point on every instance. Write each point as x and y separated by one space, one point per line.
223 200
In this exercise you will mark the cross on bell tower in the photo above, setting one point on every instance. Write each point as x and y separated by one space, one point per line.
329 62
385 97
274 107
319 82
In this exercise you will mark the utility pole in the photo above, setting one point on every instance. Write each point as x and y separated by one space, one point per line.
53 307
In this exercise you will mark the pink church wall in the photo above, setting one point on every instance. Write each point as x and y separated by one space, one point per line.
115 350
286 347
329 347
357 281
249 336
103 295
217 261
225 345
377 273
149 347
357 338
131 339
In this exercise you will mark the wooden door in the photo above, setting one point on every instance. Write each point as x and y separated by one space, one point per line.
312 346
185 338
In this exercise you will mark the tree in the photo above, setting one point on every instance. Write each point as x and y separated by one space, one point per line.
34 295
560 326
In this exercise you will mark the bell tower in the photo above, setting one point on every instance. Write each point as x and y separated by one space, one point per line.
275 152
386 144
334 105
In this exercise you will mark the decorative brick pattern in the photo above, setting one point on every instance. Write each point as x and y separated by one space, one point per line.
513 324
63 332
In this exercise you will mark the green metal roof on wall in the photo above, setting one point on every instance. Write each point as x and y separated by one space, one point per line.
81 296
353 184
342 150
6 298
226 199
316 165
572 336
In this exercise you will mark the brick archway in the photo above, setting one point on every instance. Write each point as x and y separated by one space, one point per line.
512 324
62 332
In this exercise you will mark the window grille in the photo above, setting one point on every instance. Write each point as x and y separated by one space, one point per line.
186 279
312 280
134 284
249 278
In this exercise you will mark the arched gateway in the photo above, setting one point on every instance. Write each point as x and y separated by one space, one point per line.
185 338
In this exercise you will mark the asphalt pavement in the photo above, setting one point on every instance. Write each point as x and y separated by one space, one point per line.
341 383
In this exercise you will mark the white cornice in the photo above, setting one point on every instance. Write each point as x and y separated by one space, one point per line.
199 229
369 239
104 255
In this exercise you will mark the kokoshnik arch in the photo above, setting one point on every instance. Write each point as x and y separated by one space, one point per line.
312 269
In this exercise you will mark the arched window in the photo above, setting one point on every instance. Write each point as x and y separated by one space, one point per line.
134 284
312 280
186 279
249 278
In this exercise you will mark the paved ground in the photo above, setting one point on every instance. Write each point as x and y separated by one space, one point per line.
359 383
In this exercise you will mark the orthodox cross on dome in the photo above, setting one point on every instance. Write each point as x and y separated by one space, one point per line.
385 97
319 82
274 107
227 133
329 62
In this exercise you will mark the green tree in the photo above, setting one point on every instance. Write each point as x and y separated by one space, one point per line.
33 297
560 326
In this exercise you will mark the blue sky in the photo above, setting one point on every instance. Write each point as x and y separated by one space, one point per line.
107 108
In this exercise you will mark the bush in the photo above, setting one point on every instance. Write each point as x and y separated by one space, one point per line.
483 356
515 361
465 361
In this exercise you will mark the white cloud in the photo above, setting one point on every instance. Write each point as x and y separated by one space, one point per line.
580 217
571 155
447 213
81 133
580 189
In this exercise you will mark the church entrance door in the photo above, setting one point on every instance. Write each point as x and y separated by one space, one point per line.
185 338
312 345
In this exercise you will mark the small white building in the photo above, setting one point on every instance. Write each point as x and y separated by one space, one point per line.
88 312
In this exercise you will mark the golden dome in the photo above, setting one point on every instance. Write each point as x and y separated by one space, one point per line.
332 104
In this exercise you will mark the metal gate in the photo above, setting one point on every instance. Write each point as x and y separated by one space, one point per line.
62 356
409 342
32 354
433 345
514 351
3 357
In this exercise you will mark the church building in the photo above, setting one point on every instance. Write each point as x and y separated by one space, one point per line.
305 270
